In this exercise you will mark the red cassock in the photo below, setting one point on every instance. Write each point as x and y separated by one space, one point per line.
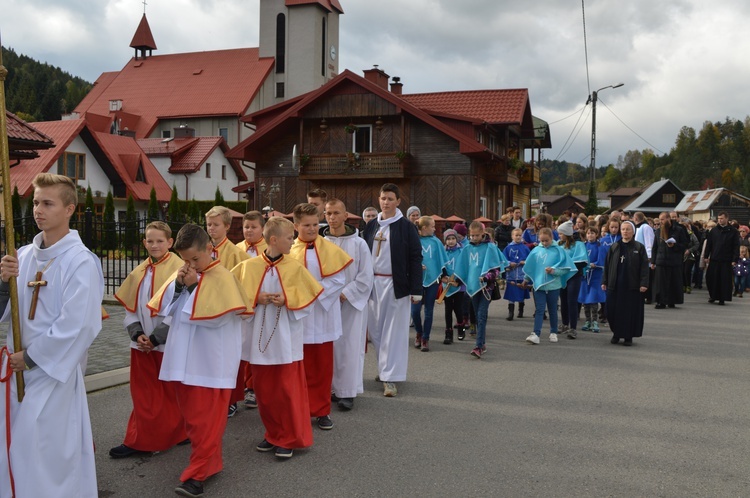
319 373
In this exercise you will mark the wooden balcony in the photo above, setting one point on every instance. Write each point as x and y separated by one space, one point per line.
501 174
343 166
532 177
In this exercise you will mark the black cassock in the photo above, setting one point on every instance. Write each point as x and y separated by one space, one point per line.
624 305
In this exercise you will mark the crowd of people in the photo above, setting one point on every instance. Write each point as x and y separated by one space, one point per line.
280 321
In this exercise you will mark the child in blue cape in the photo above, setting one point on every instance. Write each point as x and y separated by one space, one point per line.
433 266
569 307
455 293
591 293
613 234
548 268
478 266
515 290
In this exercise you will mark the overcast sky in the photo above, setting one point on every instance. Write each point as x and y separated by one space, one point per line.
682 61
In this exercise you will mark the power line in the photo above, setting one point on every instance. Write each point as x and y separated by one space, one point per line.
631 130
568 143
568 117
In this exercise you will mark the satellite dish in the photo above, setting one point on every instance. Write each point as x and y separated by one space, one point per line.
294 157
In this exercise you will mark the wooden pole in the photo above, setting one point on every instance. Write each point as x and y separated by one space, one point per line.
10 236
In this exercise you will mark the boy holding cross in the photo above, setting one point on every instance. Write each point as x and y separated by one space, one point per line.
60 290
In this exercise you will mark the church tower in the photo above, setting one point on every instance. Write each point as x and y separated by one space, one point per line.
143 40
303 38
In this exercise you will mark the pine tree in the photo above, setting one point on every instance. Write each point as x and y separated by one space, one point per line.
194 211
153 206
592 206
175 211
110 230
15 201
89 199
29 229
218 197
132 234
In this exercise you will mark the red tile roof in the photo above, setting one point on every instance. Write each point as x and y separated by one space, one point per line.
213 83
329 5
189 154
143 37
24 139
63 133
490 106
126 157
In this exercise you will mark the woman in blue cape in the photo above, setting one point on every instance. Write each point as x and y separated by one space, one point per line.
548 268
591 293
477 267
569 307
433 265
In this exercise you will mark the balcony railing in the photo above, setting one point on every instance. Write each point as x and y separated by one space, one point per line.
361 165
532 177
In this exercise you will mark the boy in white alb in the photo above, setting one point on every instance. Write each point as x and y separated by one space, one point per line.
349 349
282 293
60 289
202 354
326 262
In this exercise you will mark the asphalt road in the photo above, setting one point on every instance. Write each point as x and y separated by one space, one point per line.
667 417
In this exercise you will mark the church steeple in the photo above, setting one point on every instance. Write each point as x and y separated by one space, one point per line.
143 40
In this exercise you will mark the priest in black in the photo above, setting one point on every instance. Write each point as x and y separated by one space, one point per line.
668 253
721 253
625 279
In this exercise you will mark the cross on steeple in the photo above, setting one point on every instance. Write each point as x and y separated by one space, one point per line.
144 6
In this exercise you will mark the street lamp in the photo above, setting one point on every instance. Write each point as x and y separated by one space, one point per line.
592 99
271 191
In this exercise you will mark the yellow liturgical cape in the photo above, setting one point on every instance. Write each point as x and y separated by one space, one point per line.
163 269
229 254
259 246
217 294
299 287
331 258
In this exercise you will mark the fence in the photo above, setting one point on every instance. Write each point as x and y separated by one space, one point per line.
118 245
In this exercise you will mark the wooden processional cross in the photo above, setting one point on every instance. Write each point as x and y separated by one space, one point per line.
379 237
37 283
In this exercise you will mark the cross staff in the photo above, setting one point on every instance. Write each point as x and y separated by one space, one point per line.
379 237
36 284
10 235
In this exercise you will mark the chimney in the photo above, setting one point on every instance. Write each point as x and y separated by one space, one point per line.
396 86
377 76
184 131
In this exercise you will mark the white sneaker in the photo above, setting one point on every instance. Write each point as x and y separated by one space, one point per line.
552 337
533 339
389 389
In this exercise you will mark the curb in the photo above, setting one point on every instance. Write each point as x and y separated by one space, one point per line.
104 380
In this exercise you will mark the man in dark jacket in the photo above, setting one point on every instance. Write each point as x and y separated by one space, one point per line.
397 261
722 252
667 255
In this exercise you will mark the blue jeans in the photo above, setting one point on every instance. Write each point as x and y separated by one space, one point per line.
741 283
429 294
546 299
569 301
481 306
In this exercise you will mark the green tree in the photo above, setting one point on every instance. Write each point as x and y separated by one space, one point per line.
15 201
132 235
175 210
612 178
194 211
153 206
89 199
29 225
218 197
109 240
592 206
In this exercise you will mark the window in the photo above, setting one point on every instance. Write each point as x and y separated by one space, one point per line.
208 170
140 176
166 134
668 198
480 137
493 144
224 133
280 90
280 43
223 171
483 206
500 210
323 48
362 139
72 165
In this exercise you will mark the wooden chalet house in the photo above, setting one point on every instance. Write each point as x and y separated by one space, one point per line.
450 152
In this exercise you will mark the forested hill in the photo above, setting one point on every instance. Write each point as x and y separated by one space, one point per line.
717 155
36 91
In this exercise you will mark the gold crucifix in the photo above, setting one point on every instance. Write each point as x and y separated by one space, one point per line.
37 283
379 237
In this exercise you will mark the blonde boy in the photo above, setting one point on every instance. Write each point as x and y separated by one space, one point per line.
155 423
282 293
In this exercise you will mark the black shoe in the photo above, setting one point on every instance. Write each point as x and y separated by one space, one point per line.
284 453
712 301
232 410
123 451
184 442
628 342
511 311
335 398
346 404
264 446
191 488
659 307
614 340
461 333
325 423
670 306
520 310
448 336
721 303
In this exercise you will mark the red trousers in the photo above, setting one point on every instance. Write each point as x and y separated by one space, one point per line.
205 412
281 393
319 374
244 380
156 422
